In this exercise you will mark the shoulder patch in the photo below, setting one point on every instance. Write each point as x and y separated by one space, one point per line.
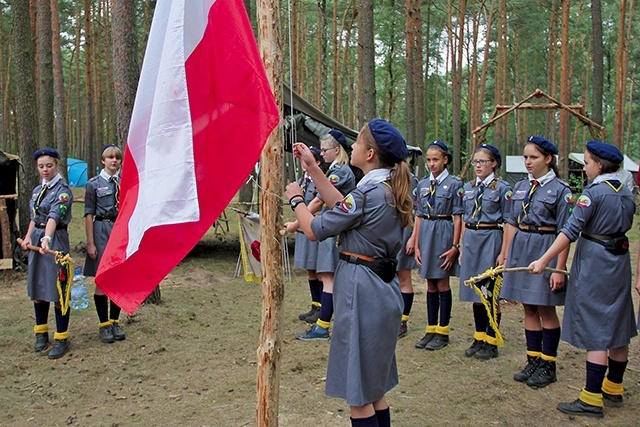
460 192
583 202
508 195
569 199
348 204
334 179
64 197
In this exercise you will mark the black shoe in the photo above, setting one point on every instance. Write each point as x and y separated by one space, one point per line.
313 316
544 375
476 346
42 341
612 399
118 333
403 329
106 334
488 351
60 347
303 316
425 340
578 407
438 342
529 369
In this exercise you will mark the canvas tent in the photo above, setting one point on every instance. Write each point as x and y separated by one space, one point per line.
76 172
9 168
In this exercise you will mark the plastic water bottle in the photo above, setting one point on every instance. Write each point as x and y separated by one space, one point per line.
79 295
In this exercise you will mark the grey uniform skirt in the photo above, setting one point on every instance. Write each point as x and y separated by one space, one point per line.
599 310
362 362
480 249
529 288
42 269
306 253
436 237
406 262
101 233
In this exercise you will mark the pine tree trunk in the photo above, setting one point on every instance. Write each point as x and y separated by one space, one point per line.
58 86
26 104
621 77
598 61
563 129
45 74
89 130
367 53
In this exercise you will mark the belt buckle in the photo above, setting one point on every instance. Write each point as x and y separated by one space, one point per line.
353 259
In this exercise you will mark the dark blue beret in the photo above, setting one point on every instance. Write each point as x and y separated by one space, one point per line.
316 153
107 146
389 139
605 151
543 143
46 152
494 151
339 136
444 148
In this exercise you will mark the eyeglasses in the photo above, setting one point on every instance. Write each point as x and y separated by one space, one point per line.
324 150
481 162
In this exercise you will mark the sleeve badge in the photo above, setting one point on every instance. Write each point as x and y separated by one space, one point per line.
508 196
583 202
64 198
334 179
348 204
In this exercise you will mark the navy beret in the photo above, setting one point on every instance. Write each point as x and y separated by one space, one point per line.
494 151
107 146
444 148
46 152
316 153
605 151
389 139
543 143
339 136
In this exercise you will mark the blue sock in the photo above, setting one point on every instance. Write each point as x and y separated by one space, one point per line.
595 376
315 287
371 421
446 300
480 317
534 340
616 371
408 302
384 417
550 341
42 312
62 322
433 305
326 311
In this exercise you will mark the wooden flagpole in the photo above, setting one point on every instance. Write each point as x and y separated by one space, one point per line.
272 183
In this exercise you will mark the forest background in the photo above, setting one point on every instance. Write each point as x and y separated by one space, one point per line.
436 69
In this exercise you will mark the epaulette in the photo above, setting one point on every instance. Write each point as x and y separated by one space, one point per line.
368 187
563 183
94 178
456 178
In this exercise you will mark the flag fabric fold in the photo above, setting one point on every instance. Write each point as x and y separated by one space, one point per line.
202 114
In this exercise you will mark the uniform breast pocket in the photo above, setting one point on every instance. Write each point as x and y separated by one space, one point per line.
469 202
517 199
104 193
491 202
545 206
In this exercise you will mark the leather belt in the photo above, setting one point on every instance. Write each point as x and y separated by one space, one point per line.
354 258
58 227
104 218
437 217
484 226
542 229
601 238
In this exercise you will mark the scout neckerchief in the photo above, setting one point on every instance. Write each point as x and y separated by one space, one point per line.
435 181
609 178
114 179
535 184
480 184
45 186
374 176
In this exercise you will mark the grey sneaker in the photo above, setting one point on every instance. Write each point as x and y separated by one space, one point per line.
106 334
118 333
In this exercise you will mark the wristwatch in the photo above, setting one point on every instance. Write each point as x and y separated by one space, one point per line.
296 202
456 245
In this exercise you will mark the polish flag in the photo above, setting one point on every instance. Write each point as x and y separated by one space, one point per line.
202 114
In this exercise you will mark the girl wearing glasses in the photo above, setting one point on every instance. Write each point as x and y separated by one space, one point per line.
486 201
541 205
101 205
333 149
50 215
437 227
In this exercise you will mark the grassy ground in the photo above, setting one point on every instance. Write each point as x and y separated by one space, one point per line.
191 361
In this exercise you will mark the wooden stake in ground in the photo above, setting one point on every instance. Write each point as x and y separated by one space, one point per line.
272 181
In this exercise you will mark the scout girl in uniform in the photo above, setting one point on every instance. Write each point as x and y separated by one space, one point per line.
598 315
50 214
437 225
486 202
362 365
306 251
101 199
333 148
541 204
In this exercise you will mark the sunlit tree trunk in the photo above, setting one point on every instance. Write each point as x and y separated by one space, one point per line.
598 61
45 74
58 85
563 140
367 110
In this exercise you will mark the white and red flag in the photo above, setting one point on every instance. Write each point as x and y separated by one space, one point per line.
202 114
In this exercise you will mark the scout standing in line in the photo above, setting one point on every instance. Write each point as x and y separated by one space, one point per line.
598 315
438 223
486 203
101 200
362 365
50 213
306 251
333 148
541 204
